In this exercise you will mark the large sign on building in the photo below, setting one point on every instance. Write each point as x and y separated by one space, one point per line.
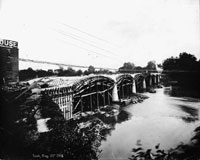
9 65
8 43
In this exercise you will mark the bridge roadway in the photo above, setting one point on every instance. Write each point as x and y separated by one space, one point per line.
75 95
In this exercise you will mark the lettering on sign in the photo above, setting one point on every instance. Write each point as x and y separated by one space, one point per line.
8 43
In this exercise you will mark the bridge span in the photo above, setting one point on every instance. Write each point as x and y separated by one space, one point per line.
75 95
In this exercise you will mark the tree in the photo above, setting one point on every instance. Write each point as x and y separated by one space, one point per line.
27 74
151 65
91 69
185 62
127 67
185 71
79 72
170 64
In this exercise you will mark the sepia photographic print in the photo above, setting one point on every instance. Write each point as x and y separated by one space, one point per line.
100 79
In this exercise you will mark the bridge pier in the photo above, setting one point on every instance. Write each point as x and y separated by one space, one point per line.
150 80
115 97
144 84
158 79
154 79
134 87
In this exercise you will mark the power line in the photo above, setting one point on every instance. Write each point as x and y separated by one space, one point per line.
91 35
90 44
83 48
98 53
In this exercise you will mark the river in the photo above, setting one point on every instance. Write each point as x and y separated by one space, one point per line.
160 119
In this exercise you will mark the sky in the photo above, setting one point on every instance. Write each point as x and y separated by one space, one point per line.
102 33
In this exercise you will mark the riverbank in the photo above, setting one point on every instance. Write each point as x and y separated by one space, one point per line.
185 92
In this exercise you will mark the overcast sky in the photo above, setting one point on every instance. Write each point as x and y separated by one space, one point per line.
103 33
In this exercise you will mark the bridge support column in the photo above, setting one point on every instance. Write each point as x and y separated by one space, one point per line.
134 87
144 84
115 97
150 81
155 82
158 79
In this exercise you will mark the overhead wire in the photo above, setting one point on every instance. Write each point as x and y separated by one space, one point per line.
89 34
97 53
92 51
73 36
95 37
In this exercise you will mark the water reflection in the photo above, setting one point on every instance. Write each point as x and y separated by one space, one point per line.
112 121
188 109
122 116
160 119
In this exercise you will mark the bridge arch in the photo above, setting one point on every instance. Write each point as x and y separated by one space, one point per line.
140 81
124 85
154 79
91 93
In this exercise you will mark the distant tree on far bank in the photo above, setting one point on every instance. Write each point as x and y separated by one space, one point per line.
127 67
27 74
151 65
91 69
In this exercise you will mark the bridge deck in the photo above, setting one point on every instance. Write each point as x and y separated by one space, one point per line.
59 82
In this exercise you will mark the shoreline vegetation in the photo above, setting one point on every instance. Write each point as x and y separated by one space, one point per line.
190 94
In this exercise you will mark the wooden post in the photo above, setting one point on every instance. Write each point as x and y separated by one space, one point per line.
122 90
90 97
81 105
103 95
97 95
108 95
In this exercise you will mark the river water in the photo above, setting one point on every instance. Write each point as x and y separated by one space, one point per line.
160 119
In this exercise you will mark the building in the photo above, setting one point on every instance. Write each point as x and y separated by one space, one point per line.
9 65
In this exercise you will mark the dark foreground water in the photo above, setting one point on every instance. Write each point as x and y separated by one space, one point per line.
159 119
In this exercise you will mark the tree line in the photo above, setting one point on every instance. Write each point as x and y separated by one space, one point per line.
128 67
30 73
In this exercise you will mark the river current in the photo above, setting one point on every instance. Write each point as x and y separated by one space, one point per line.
160 119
